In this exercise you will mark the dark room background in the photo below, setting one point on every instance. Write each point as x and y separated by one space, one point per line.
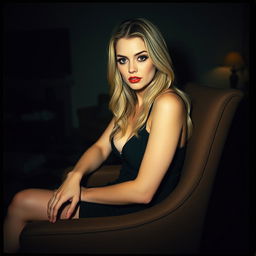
56 91
200 34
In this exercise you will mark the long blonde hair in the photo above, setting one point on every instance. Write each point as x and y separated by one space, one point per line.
123 99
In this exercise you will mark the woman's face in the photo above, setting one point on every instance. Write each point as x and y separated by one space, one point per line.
134 63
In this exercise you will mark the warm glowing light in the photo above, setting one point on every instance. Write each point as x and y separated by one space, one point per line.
234 60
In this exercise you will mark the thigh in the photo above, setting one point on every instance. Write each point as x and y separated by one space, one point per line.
31 204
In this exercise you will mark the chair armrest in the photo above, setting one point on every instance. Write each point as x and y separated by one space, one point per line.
103 175
111 223
114 234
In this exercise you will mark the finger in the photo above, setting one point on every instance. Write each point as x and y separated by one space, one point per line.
71 207
56 200
48 208
55 206
50 203
55 210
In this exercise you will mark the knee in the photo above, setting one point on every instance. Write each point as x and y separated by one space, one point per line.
20 202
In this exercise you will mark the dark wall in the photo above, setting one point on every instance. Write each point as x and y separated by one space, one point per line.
199 35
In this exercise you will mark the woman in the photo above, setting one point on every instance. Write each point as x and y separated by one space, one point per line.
149 130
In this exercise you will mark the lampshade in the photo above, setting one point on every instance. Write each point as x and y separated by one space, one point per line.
234 60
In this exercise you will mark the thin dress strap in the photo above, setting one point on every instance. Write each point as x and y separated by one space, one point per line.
145 125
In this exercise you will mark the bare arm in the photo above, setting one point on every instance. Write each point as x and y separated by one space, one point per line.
168 116
89 161
95 155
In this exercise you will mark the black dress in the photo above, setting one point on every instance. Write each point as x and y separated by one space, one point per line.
131 157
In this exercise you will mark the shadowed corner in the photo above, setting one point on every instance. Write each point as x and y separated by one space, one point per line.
182 64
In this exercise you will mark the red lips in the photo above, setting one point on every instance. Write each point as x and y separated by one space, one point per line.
134 79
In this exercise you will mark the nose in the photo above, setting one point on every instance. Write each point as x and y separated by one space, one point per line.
132 67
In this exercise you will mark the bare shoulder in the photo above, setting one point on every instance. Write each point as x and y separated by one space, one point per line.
169 101
167 107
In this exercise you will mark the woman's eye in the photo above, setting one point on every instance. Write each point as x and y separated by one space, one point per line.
121 60
142 58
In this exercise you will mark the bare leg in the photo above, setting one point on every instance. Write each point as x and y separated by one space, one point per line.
27 205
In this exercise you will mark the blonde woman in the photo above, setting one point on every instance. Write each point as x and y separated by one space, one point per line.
149 130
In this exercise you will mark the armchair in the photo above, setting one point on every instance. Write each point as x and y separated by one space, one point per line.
173 226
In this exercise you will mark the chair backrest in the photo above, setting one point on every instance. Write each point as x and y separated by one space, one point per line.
185 208
212 113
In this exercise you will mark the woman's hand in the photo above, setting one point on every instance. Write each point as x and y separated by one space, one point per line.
69 191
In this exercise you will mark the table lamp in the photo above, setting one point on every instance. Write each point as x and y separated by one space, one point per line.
235 61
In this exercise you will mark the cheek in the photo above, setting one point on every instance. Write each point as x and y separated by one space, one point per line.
150 70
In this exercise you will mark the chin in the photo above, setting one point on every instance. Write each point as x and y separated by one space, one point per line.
138 88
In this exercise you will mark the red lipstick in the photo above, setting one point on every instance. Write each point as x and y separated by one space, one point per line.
134 79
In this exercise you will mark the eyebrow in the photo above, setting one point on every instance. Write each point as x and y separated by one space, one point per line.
119 55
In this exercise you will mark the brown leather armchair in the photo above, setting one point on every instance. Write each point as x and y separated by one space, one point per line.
175 225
